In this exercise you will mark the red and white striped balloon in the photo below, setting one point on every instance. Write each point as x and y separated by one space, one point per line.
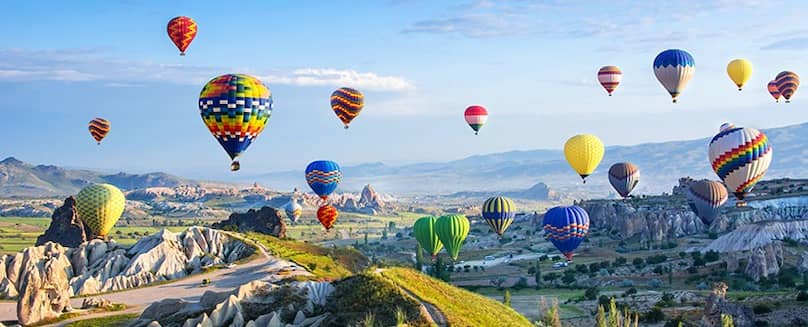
610 77
476 116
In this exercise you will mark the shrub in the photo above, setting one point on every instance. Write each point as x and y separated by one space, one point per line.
638 262
630 291
802 296
521 283
653 316
761 323
655 283
591 293
655 259
711 256
761 309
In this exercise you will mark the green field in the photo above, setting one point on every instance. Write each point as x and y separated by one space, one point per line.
109 321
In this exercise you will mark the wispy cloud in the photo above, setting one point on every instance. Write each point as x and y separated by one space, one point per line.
72 65
794 43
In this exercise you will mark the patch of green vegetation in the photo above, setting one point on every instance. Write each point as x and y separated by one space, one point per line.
461 307
329 263
367 294
109 321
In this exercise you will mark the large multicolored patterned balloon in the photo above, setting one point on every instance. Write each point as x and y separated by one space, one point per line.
235 108
725 126
323 177
347 103
100 206
499 212
424 232
610 77
774 91
740 156
739 71
476 116
566 228
293 210
327 215
99 128
706 198
182 31
452 230
674 68
624 176
787 84
584 153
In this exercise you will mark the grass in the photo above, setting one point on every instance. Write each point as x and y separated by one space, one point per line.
461 307
109 321
327 263
358 297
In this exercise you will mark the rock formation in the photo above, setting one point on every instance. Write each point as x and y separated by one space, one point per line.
267 221
43 283
66 228
717 304
255 304
101 266
802 265
370 199
757 235
652 221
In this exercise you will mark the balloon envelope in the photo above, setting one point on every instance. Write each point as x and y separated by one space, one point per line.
774 91
624 176
499 212
327 215
787 84
182 31
584 152
740 156
610 77
323 176
347 103
424 231
235 108
100 206
706 198
566 228
739 71
476 116
293 210
452 230
99 128
674 68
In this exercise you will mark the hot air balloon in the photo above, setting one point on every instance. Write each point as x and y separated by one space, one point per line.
182 31
347 103
624 176
739 71
787 84
100 206
424 231
583 153
327 215
674 68
323 177
498 212
740 156
99 128
774 91
610 77
452 231
726 126
235 108
293 210
566 228
476 117
706 198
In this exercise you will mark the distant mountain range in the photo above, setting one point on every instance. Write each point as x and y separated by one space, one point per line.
661 165
20 179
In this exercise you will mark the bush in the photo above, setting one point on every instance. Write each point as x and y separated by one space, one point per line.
761 309
628 283
582 269
521 283
761 323
630 291
619 262
682 254
655 283
653 316
802 296
638 262
655 259
711 256
591 293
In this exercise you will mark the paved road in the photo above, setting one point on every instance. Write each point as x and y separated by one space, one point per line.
264 267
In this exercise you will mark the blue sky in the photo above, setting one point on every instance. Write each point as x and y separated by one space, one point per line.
533 64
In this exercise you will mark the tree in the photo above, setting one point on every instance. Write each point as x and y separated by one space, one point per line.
549 316
711 256
537 277
591 293
506 299
419 257
391 226
439 270
726 321
601 318
366 238
384 234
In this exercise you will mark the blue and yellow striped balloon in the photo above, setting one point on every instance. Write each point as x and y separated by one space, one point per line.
498 212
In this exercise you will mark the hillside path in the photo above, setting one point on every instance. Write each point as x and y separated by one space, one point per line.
264 267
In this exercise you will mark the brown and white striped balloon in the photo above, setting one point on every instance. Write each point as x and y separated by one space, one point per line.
99 128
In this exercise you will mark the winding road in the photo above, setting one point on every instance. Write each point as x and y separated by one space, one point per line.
264 267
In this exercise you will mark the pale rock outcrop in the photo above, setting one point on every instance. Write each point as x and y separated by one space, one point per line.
717 304
43 283
765 262
95 302
318 292
802 265
757 235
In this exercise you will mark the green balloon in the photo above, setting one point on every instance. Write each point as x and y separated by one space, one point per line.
452 231
424 230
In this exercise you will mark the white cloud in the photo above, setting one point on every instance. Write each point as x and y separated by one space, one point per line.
90 65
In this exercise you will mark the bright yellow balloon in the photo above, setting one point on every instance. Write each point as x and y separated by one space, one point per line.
100 206
739 71
584 152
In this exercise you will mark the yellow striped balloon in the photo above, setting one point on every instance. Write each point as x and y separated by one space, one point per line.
499 212
99 128
584 153
100 206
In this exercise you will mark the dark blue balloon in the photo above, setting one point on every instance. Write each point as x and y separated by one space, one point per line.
323 177
566 228
673 58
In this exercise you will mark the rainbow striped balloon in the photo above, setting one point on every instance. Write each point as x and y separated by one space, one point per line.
476 116
99 128
740 156
610 77
347 103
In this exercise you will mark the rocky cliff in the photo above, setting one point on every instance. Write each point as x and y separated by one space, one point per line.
101 266
66 228
753 236
267 220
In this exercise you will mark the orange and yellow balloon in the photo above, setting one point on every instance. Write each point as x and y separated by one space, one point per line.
182 31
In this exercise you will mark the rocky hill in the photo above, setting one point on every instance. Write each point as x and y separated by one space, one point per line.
20 179
537 192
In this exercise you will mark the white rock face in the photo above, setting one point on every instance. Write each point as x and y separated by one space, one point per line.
754 236
43 281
